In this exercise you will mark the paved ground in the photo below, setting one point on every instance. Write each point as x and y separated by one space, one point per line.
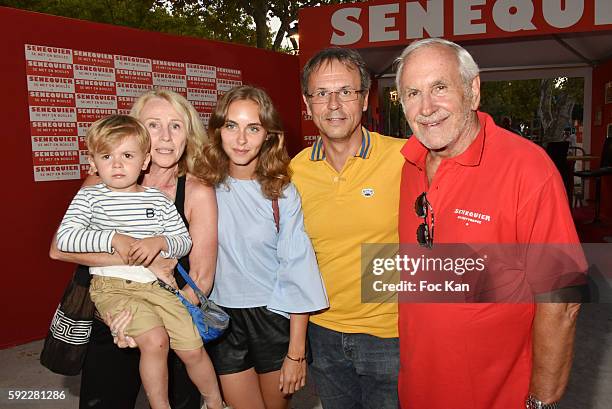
590 384
20 369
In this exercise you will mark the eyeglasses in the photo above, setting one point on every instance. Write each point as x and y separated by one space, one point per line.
323 96
424 233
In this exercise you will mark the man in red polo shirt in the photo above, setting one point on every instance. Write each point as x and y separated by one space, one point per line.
484 185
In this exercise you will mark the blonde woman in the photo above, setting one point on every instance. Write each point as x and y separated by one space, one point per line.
110 377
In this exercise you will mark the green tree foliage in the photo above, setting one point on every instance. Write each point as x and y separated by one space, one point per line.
240 21
153 15
545 106
558 97
217 20
510 98
133 13
259 12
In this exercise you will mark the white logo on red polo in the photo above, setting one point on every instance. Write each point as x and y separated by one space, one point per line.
470 216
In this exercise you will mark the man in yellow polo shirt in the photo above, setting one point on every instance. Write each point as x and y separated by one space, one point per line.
349 183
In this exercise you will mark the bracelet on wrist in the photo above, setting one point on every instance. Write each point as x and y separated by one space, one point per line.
534 403
300 359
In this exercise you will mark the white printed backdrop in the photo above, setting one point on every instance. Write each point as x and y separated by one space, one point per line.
69 89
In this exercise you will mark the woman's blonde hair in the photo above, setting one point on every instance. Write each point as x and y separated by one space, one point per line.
196 134
272 170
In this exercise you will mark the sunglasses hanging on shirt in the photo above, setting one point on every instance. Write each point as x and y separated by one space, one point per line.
424 232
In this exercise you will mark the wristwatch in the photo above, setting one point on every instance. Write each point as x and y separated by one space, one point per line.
534 403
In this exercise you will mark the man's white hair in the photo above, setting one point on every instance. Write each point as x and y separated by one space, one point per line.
468 69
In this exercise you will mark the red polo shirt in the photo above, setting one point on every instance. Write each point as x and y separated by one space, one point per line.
477 356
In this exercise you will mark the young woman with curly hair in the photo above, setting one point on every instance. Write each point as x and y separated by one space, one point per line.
266 271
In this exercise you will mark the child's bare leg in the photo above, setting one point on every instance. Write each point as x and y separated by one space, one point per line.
202 374
153 346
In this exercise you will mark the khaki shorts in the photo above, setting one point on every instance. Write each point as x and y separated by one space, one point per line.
151 307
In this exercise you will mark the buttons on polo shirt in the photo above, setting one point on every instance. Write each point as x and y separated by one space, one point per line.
336 178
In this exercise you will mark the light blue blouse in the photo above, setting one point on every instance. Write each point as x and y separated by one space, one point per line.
256 266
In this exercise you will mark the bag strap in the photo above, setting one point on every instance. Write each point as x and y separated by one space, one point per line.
276 214
203 300
188 279
179 199
82 276
167 287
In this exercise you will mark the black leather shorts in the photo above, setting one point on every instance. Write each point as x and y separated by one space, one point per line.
256 338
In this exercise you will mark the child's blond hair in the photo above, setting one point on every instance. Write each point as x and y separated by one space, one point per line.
108 132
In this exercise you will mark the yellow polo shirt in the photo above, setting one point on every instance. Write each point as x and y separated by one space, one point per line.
342 211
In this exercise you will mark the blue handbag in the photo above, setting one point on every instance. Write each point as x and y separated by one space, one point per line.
208 317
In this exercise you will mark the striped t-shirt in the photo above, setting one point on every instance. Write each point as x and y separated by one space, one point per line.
97 213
